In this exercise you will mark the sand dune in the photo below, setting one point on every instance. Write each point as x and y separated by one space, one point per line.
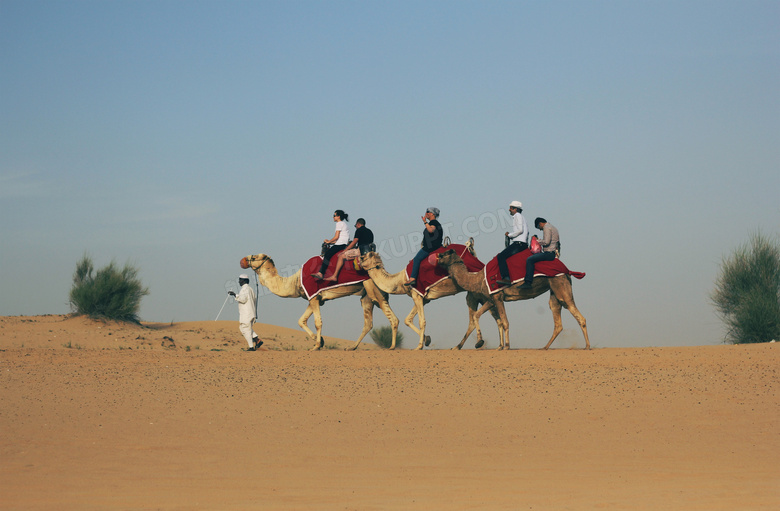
100 416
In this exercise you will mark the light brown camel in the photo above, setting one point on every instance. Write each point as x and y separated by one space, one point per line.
290 287
394 284
560 295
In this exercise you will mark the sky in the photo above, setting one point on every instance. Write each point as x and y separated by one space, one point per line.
181 136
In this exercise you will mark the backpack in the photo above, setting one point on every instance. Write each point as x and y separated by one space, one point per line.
535 246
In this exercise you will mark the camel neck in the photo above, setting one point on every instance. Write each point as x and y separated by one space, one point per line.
461 275
278 285
388 283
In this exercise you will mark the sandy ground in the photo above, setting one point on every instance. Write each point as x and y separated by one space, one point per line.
101 416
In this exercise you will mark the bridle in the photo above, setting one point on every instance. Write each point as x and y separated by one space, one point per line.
377 267
251 259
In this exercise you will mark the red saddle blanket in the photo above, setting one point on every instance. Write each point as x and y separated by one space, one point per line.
431 274
348 275
516 265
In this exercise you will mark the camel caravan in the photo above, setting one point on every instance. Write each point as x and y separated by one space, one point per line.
526 268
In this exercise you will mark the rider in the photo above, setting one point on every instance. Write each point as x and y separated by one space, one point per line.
433 236
363 240
519 235
340 240
551 244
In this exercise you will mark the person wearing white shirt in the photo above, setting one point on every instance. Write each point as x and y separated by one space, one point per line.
519 241
247 312
340 241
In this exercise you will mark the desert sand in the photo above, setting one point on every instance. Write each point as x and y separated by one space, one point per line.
102 416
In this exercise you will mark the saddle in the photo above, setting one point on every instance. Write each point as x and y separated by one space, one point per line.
431 274
312 287
516 265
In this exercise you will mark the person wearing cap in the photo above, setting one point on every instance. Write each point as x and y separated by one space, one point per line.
551 244
519 241
246 312
433 235
363 240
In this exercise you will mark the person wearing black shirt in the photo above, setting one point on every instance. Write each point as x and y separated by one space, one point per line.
364 238
433 235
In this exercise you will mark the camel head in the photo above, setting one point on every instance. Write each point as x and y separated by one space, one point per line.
371 261
255 261
448 258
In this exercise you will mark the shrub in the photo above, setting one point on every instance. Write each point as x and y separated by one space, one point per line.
108 293
383 337
747 292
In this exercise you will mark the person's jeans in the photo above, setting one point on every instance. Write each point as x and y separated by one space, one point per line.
335 249
421 254
532 260
512 249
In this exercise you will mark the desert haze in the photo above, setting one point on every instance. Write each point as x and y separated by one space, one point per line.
109 416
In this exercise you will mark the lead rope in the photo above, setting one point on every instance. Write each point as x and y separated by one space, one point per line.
257 293
257 285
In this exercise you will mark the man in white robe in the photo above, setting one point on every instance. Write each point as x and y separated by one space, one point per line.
246 312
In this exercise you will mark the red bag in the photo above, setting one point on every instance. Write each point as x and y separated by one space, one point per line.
535 246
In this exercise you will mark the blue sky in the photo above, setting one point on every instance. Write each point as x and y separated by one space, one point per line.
182 136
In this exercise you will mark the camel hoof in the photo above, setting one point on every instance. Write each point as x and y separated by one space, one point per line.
479 344
427 340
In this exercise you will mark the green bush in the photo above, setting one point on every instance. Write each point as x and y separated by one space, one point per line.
747 292
383 337
109 293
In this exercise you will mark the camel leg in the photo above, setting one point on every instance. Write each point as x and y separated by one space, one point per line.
555 307
562 296
577 315
385 306
496 317
418 302
474 311
368 319
376 297
474 314
409 320
471 304
314 305
489 305
503 328
581 320
305 318
382 299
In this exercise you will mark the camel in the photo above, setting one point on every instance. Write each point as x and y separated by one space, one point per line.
560 296
394 284
290 287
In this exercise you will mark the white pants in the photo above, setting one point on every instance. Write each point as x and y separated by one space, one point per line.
247 332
